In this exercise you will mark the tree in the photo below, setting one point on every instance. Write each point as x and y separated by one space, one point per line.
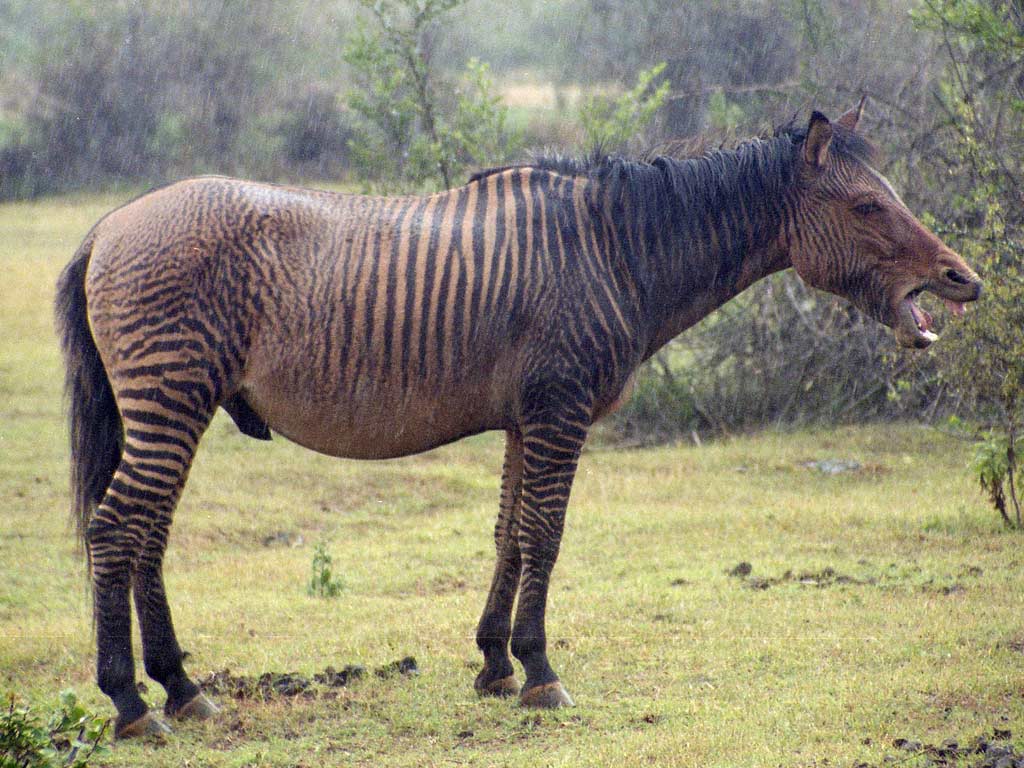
138 91
417 131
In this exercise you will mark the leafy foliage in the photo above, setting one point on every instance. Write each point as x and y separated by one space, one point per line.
982 96
322 581
71 735
108 106
998 470
612 123
416 131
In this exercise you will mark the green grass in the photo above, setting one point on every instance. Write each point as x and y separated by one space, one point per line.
671 660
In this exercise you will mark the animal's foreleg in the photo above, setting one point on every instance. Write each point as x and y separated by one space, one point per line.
495 628
550 453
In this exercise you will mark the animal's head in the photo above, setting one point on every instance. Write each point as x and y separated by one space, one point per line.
849 233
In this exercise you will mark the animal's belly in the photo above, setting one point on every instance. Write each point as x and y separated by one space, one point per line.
374 423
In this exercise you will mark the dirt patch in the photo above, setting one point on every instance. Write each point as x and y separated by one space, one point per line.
271 685
406 667
833 467
891 578
283 539
1014 643
826 577
741 570
992 751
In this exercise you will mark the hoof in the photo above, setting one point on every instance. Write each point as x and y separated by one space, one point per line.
503 688
547 696
199 708
147 726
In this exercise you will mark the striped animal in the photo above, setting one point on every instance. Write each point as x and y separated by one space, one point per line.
377 327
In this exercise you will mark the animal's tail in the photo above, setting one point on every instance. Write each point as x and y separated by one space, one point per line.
96 432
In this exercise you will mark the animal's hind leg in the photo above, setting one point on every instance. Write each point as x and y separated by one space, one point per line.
162 655
126 538
112 539
495 628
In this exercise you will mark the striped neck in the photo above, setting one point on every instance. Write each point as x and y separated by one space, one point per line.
698 232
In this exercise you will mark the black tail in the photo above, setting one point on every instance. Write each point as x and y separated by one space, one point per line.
96 432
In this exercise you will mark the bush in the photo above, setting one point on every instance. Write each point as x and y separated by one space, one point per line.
610 124
71 736
139 92
417 132
661 407
1000 473
315 135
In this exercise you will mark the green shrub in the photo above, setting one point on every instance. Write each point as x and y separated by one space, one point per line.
610 124
70 736
322 581
999 472
982 92
417 132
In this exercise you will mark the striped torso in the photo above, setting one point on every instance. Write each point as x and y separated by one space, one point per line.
369 327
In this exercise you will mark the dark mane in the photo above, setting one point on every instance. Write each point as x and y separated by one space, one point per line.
597 165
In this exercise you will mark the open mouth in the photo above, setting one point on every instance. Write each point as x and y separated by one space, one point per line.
914 324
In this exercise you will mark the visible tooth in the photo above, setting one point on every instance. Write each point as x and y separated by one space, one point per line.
930 336
957 308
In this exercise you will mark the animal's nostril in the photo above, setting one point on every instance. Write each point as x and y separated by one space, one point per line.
955 277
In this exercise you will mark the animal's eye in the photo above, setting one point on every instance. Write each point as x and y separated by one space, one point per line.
866 209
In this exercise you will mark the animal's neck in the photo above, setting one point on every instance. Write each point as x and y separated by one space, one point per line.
711 231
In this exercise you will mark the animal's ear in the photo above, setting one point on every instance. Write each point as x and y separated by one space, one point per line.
819 136
850 118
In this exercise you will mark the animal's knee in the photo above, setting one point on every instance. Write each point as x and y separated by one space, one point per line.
494 629
109 542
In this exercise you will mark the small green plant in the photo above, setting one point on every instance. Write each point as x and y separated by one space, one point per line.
611 123
71 735
323 582
999 473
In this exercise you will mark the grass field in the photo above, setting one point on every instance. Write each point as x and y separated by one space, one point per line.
882 603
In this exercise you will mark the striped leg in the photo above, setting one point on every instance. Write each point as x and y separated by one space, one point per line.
495 628
126 539
160 650
550 453
112 539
